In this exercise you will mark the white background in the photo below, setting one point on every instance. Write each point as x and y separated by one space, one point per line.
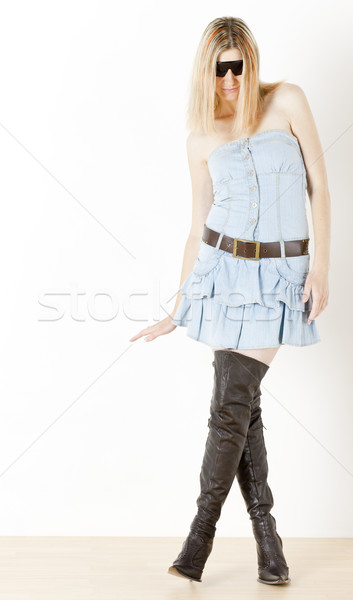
100 436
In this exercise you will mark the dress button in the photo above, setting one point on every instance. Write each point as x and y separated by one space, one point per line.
251 172
254 204
253 220
253 188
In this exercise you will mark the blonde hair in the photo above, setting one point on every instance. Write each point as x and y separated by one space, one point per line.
221 34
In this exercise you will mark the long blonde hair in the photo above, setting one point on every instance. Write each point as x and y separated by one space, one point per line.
221 34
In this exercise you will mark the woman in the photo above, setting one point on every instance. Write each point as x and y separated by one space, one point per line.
246 288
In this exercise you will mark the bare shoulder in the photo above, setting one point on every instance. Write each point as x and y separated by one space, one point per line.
286 89
291 99
295 105
195 146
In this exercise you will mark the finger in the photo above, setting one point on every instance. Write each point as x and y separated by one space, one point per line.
139 334
314 312
322 304
306 293
317 308
135 337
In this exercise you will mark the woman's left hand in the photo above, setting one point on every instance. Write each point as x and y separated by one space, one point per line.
317 283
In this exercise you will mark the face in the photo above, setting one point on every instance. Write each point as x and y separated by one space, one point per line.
227 87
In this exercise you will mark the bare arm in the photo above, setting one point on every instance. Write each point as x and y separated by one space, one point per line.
304 128
202 198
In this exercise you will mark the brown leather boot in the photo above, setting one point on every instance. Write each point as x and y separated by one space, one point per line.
252 478
236 381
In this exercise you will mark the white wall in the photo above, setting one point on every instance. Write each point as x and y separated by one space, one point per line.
100 436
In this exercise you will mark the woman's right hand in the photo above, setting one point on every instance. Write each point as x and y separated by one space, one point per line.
153 331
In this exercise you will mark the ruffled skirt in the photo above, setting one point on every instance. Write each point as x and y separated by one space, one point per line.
240 304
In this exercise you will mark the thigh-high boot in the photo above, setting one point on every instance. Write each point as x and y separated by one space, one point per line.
237 379
252 476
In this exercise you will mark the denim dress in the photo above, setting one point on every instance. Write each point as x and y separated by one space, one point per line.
259 189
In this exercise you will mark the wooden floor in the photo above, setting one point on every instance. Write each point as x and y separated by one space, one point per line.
113 568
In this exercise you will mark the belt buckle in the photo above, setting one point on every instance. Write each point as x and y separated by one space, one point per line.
257 251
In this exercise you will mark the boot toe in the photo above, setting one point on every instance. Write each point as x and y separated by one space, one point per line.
274 575
191 560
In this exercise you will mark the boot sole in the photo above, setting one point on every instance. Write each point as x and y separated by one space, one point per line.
279 581
174 571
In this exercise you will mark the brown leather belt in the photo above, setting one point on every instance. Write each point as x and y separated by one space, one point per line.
253 249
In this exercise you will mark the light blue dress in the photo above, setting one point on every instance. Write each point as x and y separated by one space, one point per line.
259 187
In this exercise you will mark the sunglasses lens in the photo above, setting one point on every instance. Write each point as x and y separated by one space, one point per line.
220 70
238 68
223 67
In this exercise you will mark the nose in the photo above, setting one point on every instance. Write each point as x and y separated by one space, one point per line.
229 74
229 79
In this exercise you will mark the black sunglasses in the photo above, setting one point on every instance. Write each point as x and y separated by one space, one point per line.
223 67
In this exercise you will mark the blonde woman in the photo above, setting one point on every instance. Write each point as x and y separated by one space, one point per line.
246 287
